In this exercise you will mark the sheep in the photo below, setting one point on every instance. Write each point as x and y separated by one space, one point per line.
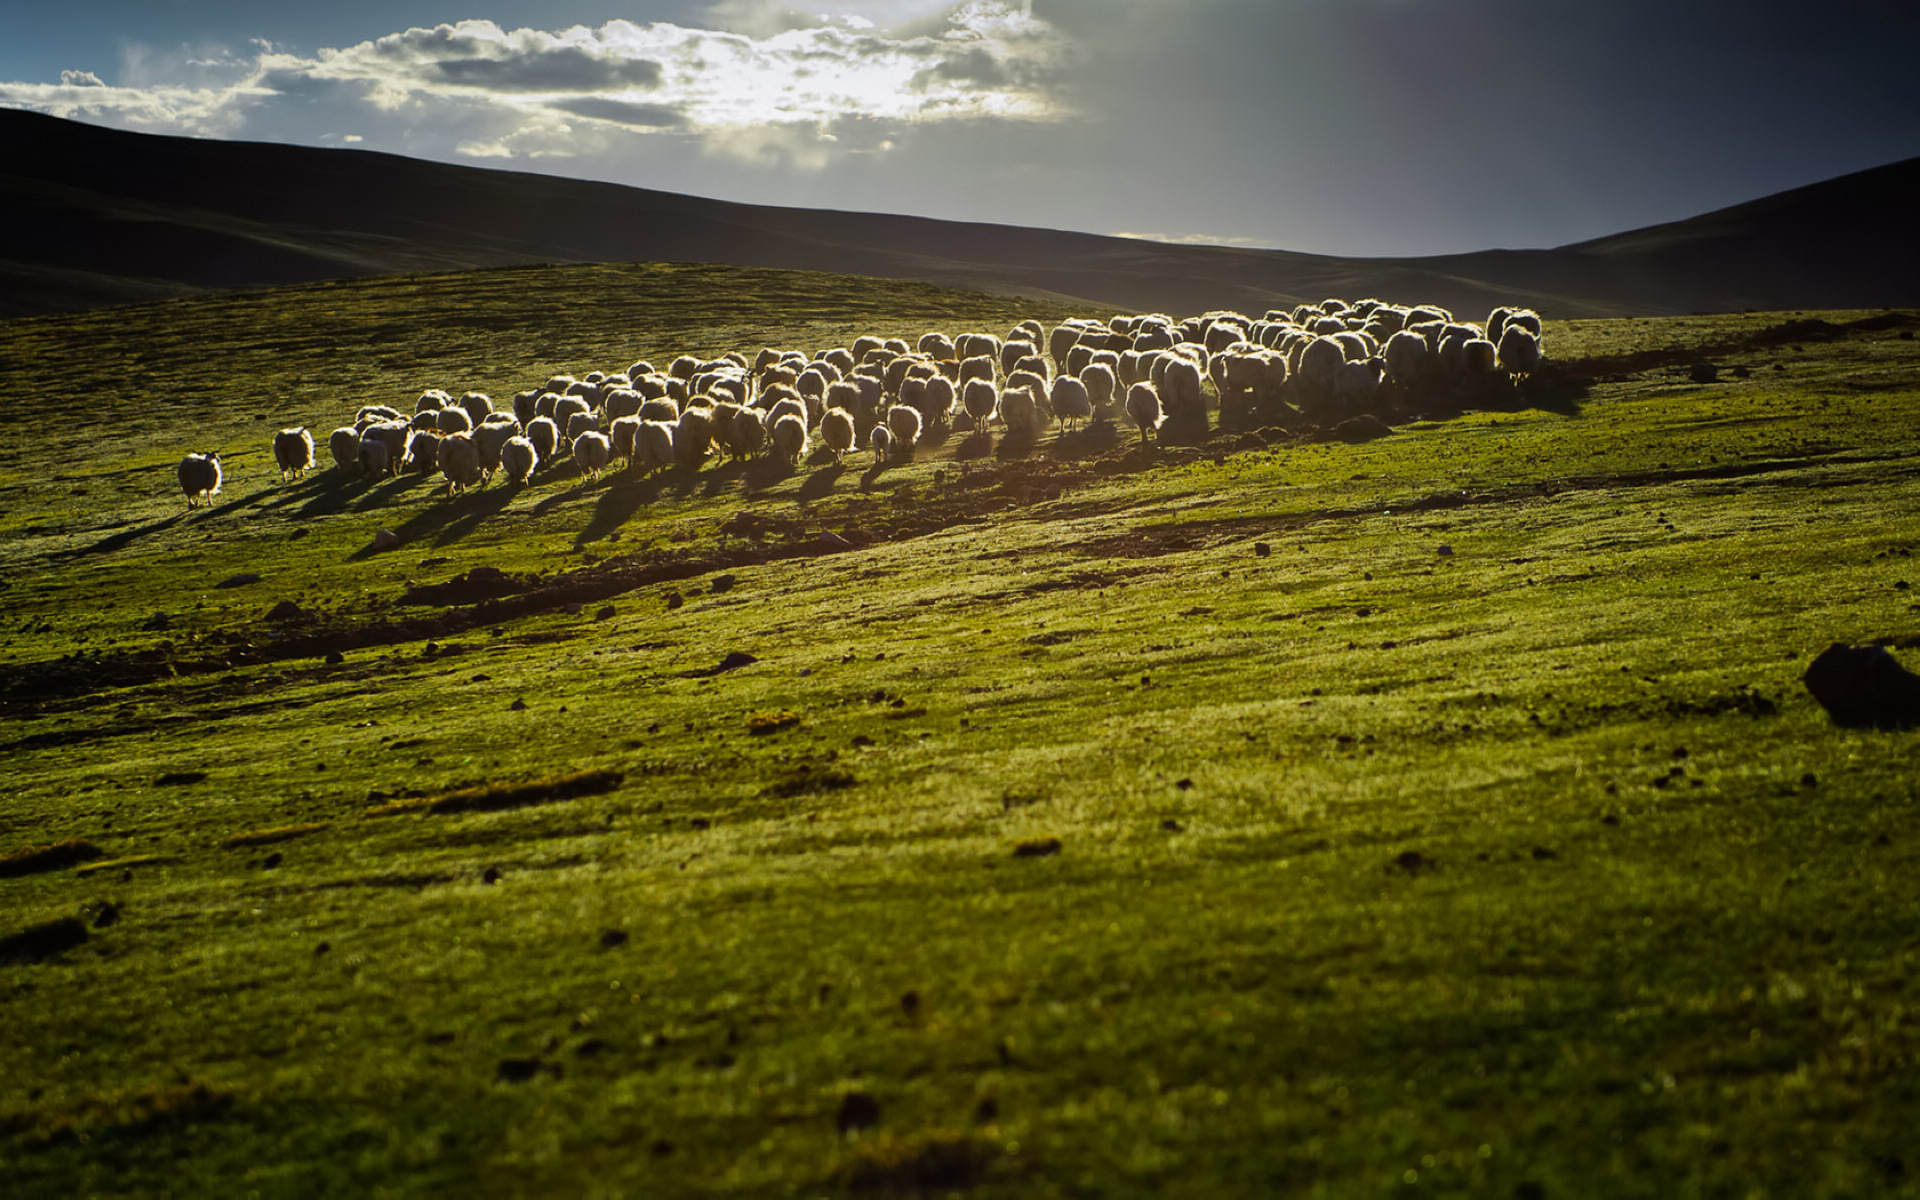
432 400
200 477
939 400
1020 412
459 461
1478 357
523 402
1143 409
749 436
1013 350
452 420
936 346
790 439
812 383
425 421
394 434
519 459
344 444
293 450
846 395
880 441
863 346
692 437
976 345
579 423
491 437
1407 354
423 452
978 367
478 406
371 414
564 410
979 398
545 436
1357 382
684 367
1070 400
659 410
652 447
1099 381
591 453
1180 393
903 422
375 458
623 402
1519 350
836 430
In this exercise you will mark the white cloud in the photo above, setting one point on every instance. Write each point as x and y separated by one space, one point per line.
487 92
1195 239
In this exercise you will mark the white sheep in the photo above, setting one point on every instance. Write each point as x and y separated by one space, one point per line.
374 456
936 346
1519 350
749 434
459 461
478 406
591 453
200 477
1099 381
545 436
1020 412
423 452
293 450
432 400
653 447
837 431
491 438
979 397
344 444
519 459
790 439
1070 399
395 435
452 420
1180 394
880 441
1407 355
1478 357
1143 409
903 422
693 437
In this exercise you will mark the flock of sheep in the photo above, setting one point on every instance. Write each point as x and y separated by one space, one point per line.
1323 362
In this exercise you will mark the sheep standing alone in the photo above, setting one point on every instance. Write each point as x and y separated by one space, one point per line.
200 477
293 450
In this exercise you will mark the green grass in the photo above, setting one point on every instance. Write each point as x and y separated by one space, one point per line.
1477 838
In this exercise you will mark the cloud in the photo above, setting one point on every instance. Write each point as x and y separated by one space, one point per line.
474 89
1195 239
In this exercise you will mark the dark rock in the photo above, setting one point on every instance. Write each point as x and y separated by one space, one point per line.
1363 428
722 584
1413 862
105 914
234 581
335 658
286 610
1172 826
1542 854
1262 550
675 600
157 622
858 1110
606 612
1703 372
613 937
1038 848
518 1070
490 875
1864 685
910 1003
517 706
272 861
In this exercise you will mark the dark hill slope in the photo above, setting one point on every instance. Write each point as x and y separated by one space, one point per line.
97 216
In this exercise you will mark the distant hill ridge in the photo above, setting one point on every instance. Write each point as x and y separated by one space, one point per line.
98 217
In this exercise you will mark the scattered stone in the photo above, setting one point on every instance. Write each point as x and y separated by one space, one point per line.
910 1003
335 658
272 860
286 610
1363 428
157 622
1037 848
613 937
105 914
1444 551
593 1048
490 876
1864 685
858 1110
675 600
1185 785
241 580
1172 826
1809 780
604 613
987 1111
180 778
722 584
861 739
322 948
1413 862
518 1070
385 539
1703 372
1542 854
1262 550
517 706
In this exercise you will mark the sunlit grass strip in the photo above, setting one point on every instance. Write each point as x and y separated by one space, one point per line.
264 837
494 797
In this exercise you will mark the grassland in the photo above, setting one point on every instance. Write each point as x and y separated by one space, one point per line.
1437 815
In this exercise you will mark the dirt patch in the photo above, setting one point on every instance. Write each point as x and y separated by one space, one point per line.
499 796
31 860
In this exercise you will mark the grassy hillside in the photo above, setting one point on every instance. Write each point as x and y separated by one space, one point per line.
1440 814
104 216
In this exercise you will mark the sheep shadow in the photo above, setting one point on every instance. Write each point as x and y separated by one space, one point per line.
819 485
1087 442
616 506
377 495
449 522
974 447
1015 445
766 471
122 539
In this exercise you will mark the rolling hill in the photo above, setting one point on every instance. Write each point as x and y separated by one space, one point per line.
102 217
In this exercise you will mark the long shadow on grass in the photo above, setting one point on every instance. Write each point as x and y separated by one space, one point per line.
819 485
123 539
617 504
451 519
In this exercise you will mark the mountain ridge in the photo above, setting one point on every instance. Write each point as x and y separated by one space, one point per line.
103 216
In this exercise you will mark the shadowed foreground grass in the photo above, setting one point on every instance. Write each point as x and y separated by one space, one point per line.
1441 815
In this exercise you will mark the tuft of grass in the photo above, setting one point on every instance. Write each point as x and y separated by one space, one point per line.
495 797
265 837
771 721
30 860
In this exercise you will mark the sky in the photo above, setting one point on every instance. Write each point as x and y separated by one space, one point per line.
1363 127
